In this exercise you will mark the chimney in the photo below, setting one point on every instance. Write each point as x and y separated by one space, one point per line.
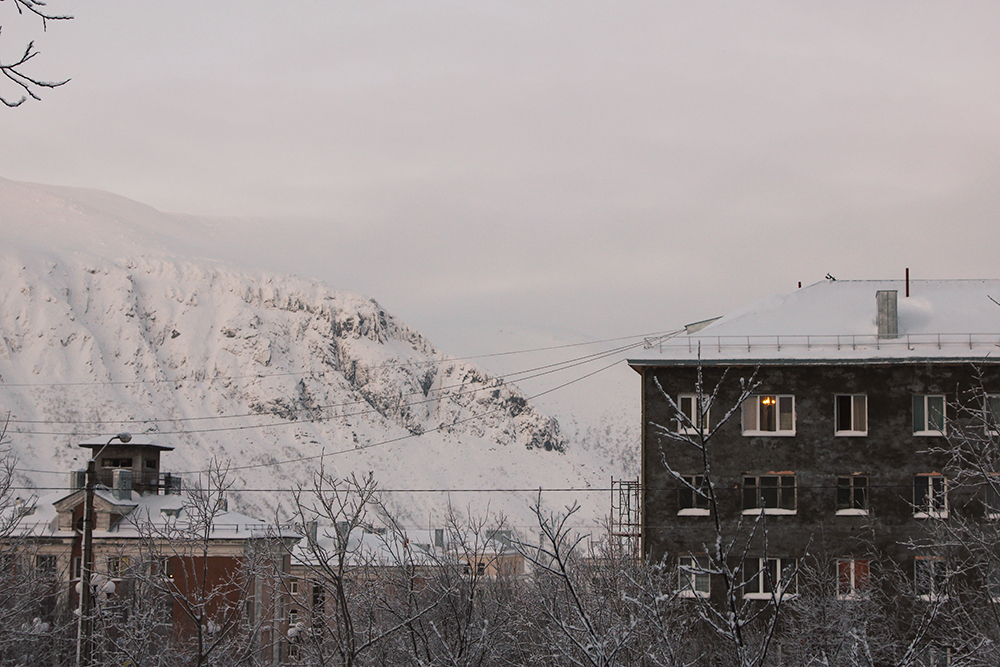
887 317
122 483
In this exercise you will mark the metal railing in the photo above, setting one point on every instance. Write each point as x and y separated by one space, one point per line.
910 342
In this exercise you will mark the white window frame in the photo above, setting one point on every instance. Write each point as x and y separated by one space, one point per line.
993 580
935 656
923 412
857 585
756 569
781 494
696 481
991 414
857 404
687 405
753 412
935 505
936 577
691 575
852 488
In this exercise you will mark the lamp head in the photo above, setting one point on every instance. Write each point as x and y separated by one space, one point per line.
125 437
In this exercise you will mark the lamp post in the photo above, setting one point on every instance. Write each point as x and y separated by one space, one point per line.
85 625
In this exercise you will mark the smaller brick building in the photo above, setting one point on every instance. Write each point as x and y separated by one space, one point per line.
180 557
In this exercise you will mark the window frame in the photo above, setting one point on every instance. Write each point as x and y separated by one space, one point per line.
781 490
696 504
852 404
857 584
936 576
850 508
991 414
698 423
691 570
992 581
923 413
781 566
991 496
752 417
934 505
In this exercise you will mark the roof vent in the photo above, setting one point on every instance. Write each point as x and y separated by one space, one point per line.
887 317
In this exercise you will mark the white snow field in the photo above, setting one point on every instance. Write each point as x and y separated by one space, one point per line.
110 321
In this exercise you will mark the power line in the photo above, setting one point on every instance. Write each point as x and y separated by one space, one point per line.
388 364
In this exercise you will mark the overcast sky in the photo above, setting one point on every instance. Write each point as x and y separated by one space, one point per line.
511 172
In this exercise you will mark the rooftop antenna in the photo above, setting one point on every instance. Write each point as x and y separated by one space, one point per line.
831 278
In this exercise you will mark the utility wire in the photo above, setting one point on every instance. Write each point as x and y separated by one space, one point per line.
514 376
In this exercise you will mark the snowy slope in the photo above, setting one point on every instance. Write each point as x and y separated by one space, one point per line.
107 323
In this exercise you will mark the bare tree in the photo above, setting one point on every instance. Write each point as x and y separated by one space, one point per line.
746 626
15 71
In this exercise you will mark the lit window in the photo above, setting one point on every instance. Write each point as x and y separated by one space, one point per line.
693 579
693 417
930 496
930 578
769 494
928 415
767 577
852 414
769 415
692 496
852 495
852 577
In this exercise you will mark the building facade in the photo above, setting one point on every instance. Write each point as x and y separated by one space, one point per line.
825 423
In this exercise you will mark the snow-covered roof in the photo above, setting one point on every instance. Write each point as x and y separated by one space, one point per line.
835 320
157 513
138 439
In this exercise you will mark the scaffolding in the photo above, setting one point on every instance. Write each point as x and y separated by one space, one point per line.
626 517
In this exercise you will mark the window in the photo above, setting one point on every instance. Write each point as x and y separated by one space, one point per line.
769 494
852 495
318 596
764 577
117 565
293 616
928 415
851 414
930 577
852 577
692 500
161 567
77 566
991 496
991 414
47 566
935 656
769 415
480 569
116 463
293 587
930 496
993 581
693 581
694 414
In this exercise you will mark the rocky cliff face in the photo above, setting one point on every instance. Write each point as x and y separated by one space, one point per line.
253 369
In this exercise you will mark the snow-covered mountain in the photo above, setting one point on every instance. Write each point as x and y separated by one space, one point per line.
109 323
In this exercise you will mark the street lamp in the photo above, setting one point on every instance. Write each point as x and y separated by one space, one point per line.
84 628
